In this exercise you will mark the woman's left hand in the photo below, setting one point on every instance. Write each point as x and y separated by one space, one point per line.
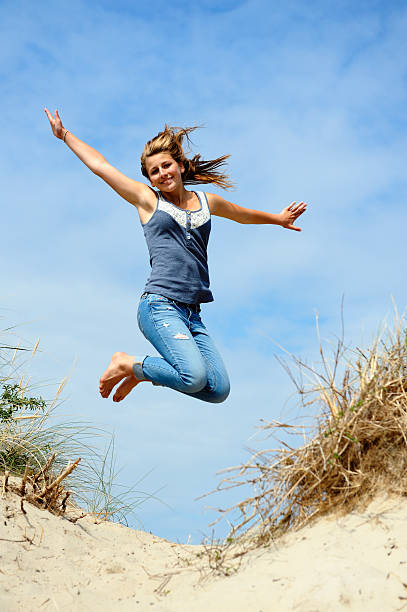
290 214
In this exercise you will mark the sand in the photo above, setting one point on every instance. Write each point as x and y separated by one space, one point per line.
47 563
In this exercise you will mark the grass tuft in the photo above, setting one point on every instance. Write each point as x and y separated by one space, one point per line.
46 462
356 447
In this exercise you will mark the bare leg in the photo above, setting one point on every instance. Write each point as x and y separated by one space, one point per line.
120 367
124 389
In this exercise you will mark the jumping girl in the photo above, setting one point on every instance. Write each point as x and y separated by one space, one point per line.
176 224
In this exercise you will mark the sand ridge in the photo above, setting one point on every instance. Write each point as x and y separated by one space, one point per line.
356 562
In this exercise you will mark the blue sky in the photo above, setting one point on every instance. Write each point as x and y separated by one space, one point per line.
308 98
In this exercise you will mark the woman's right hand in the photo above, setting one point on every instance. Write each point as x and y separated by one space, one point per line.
56 124
136 193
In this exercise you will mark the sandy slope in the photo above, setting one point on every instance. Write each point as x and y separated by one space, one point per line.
358 562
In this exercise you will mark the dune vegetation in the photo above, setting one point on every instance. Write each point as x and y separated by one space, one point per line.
354 449
55 465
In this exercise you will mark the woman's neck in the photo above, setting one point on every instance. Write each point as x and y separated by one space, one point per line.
180 197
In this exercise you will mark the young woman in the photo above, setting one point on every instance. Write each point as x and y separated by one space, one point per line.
176 224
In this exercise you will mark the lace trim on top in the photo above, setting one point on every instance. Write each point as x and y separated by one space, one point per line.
198 217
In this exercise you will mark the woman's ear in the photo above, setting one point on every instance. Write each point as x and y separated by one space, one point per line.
181 167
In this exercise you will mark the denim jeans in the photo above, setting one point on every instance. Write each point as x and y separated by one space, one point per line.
190 362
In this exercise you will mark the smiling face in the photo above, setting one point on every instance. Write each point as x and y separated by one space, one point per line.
164 172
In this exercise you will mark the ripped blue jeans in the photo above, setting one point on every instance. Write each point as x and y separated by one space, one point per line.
189 362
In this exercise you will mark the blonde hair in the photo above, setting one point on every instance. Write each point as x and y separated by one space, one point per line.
197 170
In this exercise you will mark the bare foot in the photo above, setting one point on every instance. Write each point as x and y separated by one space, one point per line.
124 389
119 367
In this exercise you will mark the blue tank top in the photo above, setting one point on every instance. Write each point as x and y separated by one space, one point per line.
177 242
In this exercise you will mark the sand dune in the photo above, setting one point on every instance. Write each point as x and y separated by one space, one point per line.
356 562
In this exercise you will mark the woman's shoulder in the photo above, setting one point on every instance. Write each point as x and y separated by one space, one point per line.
212 197
213 200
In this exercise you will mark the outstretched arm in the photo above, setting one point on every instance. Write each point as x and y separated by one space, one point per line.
286 218
138 194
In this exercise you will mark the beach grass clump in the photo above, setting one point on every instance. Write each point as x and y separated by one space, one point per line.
355 449
52 464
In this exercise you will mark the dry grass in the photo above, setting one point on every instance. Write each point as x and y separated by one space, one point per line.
45 489
356 447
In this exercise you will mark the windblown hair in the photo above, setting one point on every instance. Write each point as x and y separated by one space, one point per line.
197 170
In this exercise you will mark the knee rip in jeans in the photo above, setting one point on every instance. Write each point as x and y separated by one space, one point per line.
181 337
